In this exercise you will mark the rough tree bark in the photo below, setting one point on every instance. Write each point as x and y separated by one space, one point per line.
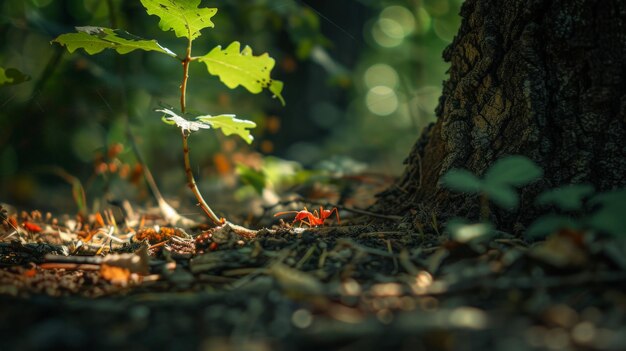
541 78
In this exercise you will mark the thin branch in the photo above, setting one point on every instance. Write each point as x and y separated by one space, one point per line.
191 182
194 187
183 86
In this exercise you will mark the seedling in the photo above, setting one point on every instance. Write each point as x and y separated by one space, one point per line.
581 209
233 65
311 219
499 183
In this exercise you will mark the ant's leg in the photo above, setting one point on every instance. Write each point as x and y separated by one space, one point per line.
337 214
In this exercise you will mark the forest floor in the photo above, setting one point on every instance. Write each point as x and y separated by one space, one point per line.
102 283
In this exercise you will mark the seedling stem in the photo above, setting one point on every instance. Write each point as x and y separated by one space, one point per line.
191 181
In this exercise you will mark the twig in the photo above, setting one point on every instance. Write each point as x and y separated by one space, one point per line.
406 263
109 234
322 260
162 243
393 257
70 266
244 271
366 249
50 258
371 214
306 257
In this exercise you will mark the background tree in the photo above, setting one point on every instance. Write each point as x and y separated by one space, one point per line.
545 79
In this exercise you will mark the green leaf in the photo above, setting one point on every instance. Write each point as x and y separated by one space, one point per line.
174 119
230 125
255 178
568 198
461 180
235 67
11 76
614 197
96 39
513 170
184 17
502 195
78 193
610 217
550 224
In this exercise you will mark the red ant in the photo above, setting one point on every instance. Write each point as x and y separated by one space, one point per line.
314 219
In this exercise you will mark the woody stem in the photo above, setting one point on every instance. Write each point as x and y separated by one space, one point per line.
191 182
183 86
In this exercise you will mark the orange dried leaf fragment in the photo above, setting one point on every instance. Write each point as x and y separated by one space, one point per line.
222 164
87 235
115 275
155 237
30 273
98 220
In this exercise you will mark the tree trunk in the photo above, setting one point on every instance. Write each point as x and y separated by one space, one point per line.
545 79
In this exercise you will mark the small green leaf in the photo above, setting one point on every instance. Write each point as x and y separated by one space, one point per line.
230 125
502 195
568 198
513 170
614 197
235 68
184 17
96 39
78 193
610 217
276 87
550 224
174 119
461 180
11 76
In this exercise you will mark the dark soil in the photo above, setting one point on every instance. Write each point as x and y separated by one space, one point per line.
359 286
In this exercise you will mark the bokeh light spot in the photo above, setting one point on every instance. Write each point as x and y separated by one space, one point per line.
403 20
382 38
302 318
381 100
381 74
391 28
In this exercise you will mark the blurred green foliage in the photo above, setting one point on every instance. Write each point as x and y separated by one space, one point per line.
363 77
499 181
12 76
579 207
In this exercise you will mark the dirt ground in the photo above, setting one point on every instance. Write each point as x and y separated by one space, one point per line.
368 284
